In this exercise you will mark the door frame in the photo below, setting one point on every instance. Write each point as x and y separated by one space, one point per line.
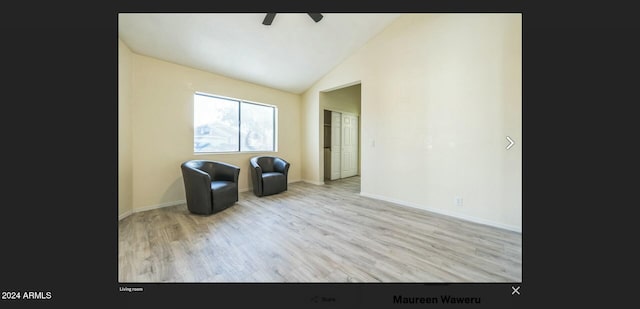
321 109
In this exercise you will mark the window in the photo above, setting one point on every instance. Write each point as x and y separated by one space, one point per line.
231 125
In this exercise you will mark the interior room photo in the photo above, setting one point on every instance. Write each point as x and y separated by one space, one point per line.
319 147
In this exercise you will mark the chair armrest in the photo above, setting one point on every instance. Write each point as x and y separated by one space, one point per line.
255 167
280 165
195 180
256 175
224 171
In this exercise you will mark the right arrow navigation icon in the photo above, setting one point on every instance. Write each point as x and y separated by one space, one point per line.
511 142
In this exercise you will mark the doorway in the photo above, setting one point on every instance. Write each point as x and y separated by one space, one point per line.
340 110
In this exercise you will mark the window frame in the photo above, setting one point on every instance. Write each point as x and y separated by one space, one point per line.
239 106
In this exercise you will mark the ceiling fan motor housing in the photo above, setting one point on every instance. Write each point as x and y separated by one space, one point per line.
268 19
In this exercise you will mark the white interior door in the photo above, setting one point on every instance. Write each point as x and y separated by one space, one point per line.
336 145
349 161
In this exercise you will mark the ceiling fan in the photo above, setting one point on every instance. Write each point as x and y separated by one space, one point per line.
270 16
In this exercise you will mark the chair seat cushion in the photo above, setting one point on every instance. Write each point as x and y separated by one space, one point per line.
221 185
223 194
273 182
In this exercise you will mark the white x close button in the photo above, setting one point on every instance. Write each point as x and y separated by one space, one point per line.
516 290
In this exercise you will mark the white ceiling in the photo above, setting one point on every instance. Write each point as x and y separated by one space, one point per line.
290 55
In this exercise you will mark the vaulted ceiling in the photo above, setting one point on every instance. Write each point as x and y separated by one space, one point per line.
291 54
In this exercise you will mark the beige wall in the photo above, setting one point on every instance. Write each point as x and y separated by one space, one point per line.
125 170
440 92
311 134
345 99
162 127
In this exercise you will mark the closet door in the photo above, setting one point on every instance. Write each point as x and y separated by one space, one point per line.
349 161
336 146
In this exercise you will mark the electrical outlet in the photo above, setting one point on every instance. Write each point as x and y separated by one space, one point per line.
458 201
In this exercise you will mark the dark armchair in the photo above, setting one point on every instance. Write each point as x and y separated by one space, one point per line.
210 186
269 175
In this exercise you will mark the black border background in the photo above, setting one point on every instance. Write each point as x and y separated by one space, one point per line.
58 222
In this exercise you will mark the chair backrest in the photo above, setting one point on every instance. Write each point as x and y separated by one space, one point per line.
266 163
203 165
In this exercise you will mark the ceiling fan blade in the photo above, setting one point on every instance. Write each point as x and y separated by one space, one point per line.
315 16
268 19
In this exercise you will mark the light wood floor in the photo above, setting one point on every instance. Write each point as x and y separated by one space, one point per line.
314 234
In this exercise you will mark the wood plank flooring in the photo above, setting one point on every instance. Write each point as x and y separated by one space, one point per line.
314 233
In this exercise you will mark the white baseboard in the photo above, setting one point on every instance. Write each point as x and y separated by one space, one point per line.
445 212
167 204
319 183
124 215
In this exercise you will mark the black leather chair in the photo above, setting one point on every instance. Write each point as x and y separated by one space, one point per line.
269 175
210 186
